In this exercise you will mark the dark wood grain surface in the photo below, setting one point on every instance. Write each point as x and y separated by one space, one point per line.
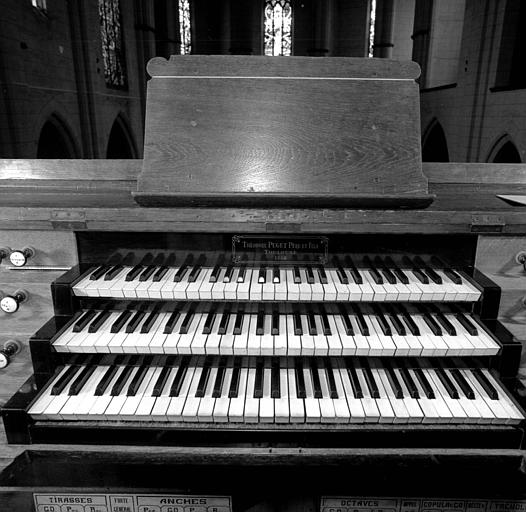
306 126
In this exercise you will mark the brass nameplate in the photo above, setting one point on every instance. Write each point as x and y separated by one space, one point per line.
282 249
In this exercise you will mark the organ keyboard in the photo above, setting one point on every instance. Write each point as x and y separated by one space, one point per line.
337 341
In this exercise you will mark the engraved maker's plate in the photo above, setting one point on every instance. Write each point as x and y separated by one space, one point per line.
131 503
280 249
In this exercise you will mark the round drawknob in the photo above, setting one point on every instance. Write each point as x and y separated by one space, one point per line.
19 258
11 347
10 303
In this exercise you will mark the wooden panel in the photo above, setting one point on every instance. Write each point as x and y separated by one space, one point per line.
305 127
18 371
496 255
57 249
457 172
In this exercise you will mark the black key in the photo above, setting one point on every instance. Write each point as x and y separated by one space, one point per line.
112 272
346 320
121 380
353 270
353 377
309 273
446 381
422 379
396 270
260 323
262 273
181 271
214 275
362 325
135 321
430 321
369 378
147 273
148 323
311 323
322 274
209 322
220 375
485 383
450 273
377 278
229 271
98 321
274 330
203 379
172 321
66 377
300 379
399 327
297 274
389 276
238 324
316 384
187 320
161 380
177 383
223 324
326 326
134 272
443 321
242 270
81 379
329 372
121 320
416 271
342 276
196 270
298 329
137 380
159 273
99 272
275 385
275 274
409 382
466 323
106 379
393 379
384 325
234 382
462 383
428 270
84 320
406 317
258 385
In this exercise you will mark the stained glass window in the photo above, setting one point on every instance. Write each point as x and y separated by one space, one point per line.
372 20
278 27
184 27
112 43
39 4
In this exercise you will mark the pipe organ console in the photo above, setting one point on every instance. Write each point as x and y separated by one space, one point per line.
221 335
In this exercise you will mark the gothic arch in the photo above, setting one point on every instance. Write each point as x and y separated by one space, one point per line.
504 151
120 141
55 139
434 143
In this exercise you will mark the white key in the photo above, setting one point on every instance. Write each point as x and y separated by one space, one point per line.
129 408
266 403
328 414
312 405
334 342
268 288
236 411
191 406
254 340
185 339
294 340
400 413
317 288
256 288
162 402
296 405
388 347
304 287
39 406
347 341
411 404
281 405
155 289
243 287
267 339
341 290
445 414
280 340
218 288
147 402
240 347
457 412
321 346
205 412
293 289
251 403
174 412
113 410
280 289
171 340
379 293
222 404
357 414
